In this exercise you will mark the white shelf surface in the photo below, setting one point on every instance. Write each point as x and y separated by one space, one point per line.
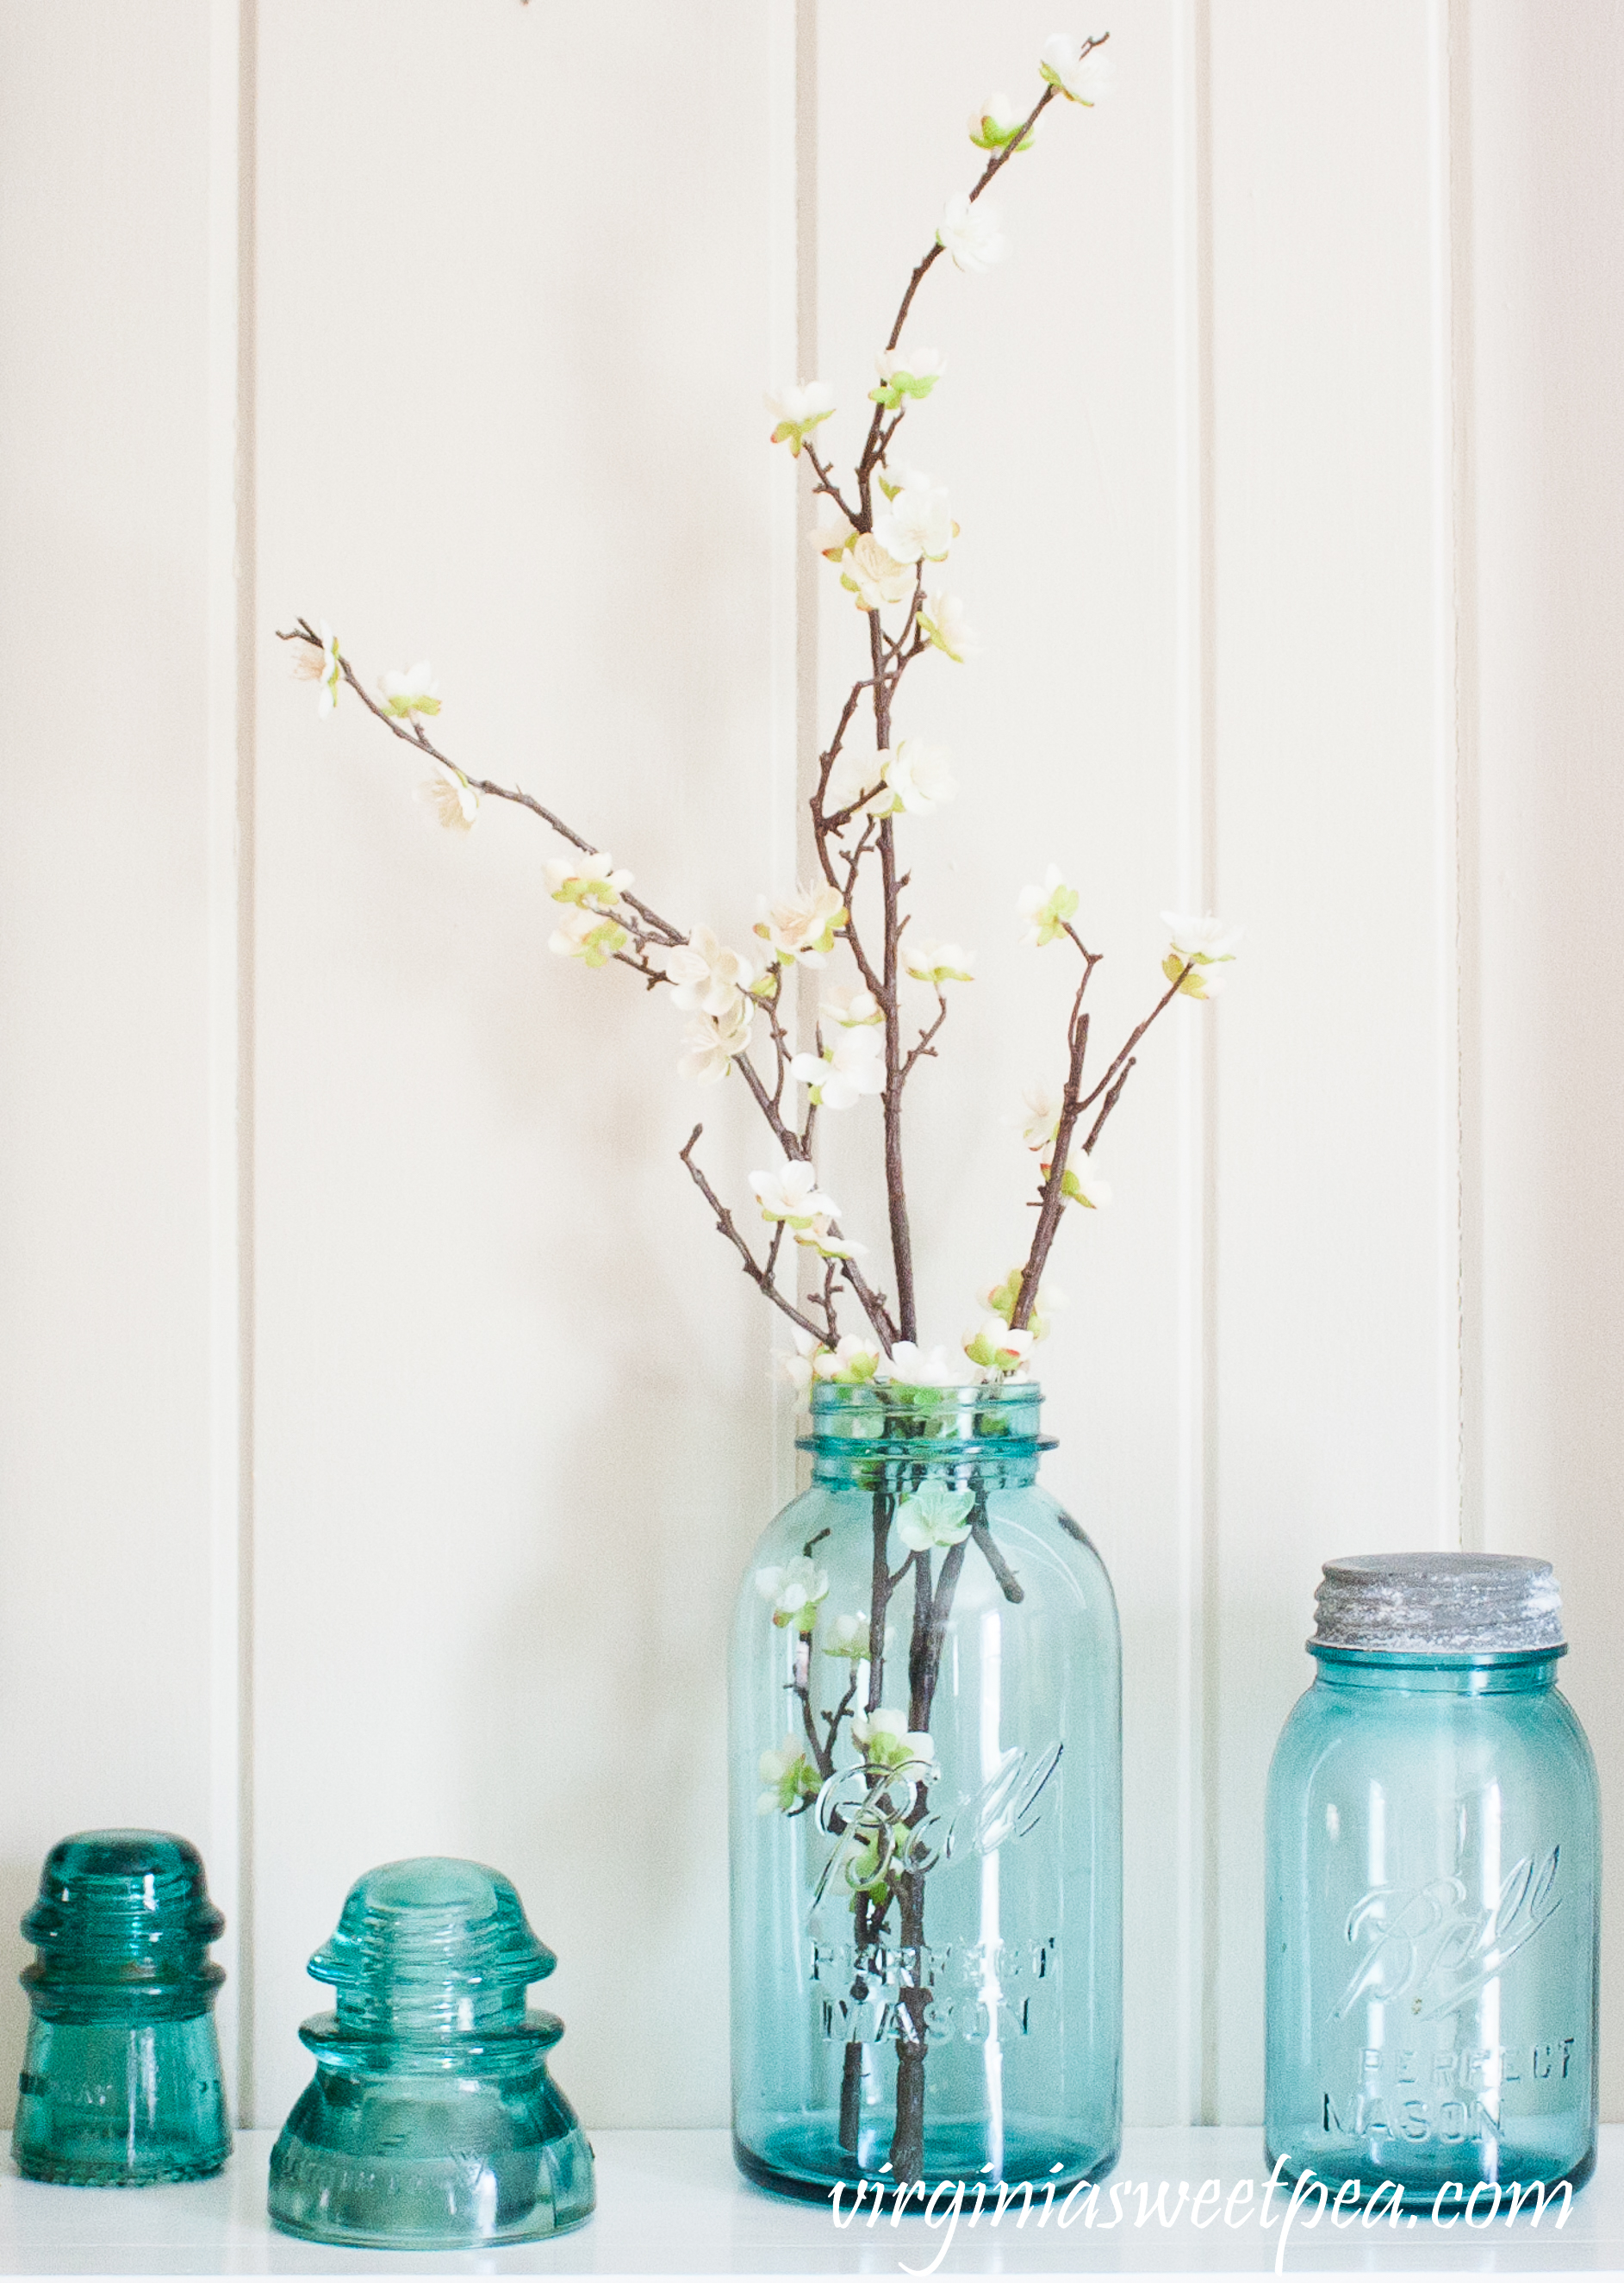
671 2203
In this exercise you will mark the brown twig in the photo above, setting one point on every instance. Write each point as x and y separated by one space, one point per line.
825 480
1012 1588
752 1266
922 1044
661 930
1074 1101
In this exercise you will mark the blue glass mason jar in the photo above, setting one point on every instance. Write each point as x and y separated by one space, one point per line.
1433 1837
926 1810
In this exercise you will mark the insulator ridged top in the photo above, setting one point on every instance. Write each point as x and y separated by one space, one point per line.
118 1899
432 1943
1439 1604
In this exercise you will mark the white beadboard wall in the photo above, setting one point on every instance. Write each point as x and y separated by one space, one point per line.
382 1427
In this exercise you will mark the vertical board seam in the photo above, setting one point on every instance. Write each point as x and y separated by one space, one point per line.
247 606
230 683
1196 2050
1446 735
804 1008
224 1420
1467 944
785 164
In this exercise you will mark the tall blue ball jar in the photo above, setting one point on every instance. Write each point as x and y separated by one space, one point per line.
1434 1838
927 1812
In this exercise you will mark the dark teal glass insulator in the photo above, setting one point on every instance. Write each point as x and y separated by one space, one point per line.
121 2082
432 2121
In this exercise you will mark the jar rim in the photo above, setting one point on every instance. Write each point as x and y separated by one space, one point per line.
1453 1660
880 1394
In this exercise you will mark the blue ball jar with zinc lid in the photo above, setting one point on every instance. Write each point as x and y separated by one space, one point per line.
121 2082
432 2121
1434 1868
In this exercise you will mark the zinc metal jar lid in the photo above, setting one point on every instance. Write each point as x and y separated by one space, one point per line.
1439 1604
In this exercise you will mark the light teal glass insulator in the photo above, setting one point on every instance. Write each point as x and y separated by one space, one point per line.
121 2084
925 1766
432 2121
1433 1867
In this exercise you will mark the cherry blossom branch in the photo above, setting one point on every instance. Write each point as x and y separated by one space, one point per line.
880 434
1074 1101
752 1266
896 1180
825 479
1133 1036
656 929
982 1537
834 1719
1051 1192
780 1047
922 1044
873 1306
651 927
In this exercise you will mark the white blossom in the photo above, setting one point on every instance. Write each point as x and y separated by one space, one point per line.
934 1516
1081 1185
821 1238
587 879
911 369
996 1348
801 927
850 1005
591 936
794 1589
851 1066
714 1043
995 124
1005 1298
1204 938
321 663
853 1362
916 777
832 535
796 411
790 1778
886 1740
415 691
943 624
706 977
1045 908
453 800
971 234
789 1192
848 1637
915 522
909 1366
799 1368
1203 944
1042 1121
1082 75
939 962
874 576
858 771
